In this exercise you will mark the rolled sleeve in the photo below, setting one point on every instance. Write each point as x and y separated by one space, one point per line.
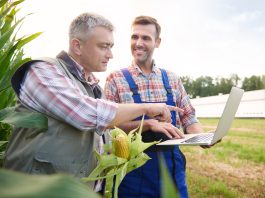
106 111
189 116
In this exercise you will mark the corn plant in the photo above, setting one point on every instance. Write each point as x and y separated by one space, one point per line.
124 155
18 185
11 57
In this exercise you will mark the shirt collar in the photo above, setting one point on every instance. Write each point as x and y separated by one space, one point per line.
138 70
91 79
76 69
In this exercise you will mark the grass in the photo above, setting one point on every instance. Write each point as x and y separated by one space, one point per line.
248 152
235 167
200 188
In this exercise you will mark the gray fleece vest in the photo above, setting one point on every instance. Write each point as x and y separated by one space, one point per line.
62 148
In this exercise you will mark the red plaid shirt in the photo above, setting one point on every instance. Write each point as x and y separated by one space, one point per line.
151 89
47 90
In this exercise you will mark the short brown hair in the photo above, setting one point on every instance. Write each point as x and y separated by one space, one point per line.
146 20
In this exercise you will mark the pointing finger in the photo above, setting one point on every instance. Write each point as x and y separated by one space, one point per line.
174 108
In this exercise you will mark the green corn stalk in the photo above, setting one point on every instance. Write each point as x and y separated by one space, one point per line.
11 57
116 164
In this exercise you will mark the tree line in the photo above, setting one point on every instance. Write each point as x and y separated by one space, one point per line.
209 86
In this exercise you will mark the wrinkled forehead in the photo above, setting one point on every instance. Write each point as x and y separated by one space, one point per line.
101 35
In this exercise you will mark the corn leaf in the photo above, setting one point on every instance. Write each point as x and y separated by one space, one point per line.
6 59
18 185
119 177
5 81
109 184
168 188
23 119
2 3
6 36
9 7
116 131
11 57
2 155
138 161
105 162
27 39
138 146
7 98
2 143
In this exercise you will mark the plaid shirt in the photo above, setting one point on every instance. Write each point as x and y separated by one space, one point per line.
47 90
151 89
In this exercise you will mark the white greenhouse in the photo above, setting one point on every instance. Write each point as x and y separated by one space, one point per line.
252 105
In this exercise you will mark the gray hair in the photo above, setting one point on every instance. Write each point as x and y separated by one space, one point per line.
84 23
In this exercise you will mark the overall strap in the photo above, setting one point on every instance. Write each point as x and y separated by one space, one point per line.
170 100
132 85
167 86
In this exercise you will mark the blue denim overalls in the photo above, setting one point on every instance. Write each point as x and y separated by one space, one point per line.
145 181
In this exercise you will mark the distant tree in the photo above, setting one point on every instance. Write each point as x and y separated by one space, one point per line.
235 79
224 85
207 86
187 83
209 89
202 86
263 81
196 88
253 83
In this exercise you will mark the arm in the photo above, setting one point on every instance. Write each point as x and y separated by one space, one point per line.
188 118
48 90
154 126
126 112
194 128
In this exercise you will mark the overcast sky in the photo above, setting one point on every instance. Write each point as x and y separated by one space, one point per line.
199 37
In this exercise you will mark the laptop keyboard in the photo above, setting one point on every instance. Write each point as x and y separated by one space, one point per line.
200 138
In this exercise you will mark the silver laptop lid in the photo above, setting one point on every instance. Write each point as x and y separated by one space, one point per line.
228 114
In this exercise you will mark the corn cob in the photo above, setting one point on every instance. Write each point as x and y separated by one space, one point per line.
121 146
126 155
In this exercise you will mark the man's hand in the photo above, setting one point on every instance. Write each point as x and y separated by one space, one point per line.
161 111
209 146
163 127
127 112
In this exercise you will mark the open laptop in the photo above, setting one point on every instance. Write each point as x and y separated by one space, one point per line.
224 124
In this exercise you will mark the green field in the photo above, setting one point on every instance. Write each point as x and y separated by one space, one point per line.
234 167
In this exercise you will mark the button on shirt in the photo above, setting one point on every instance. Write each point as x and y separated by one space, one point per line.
151 89
48 90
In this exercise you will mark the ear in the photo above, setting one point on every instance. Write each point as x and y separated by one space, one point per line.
75 43
158 41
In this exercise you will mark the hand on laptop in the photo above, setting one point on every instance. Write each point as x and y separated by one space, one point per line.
164 127
209 146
